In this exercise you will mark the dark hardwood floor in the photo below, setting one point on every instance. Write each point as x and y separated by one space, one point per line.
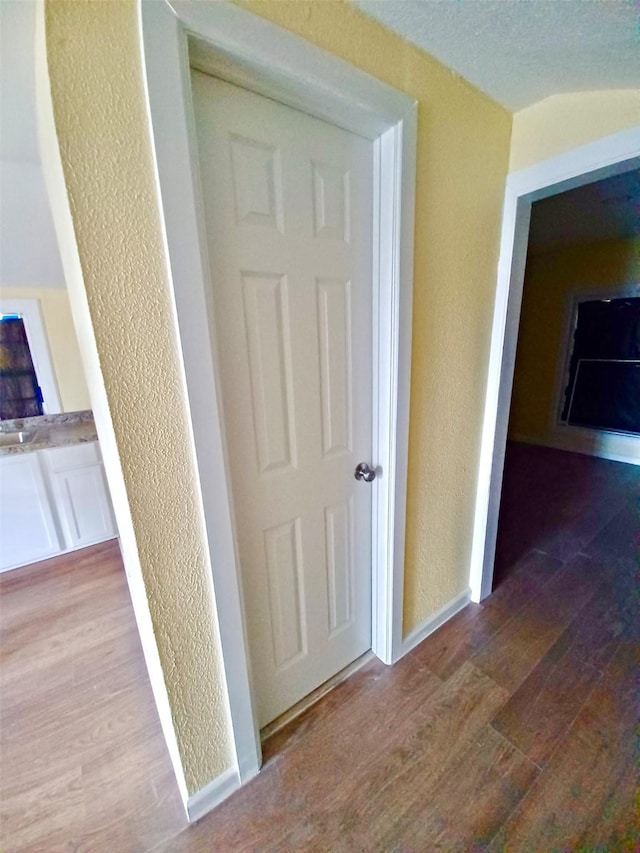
512 729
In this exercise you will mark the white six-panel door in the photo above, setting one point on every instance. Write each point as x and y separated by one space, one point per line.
288 211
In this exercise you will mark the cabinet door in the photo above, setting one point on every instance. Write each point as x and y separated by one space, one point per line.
27 528
83 505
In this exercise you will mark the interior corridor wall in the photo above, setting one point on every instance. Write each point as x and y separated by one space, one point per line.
562 122
97 92
97 89
462 157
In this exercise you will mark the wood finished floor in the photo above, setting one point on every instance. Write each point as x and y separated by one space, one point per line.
512 728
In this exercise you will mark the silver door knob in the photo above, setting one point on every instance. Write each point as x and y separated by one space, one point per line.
364 472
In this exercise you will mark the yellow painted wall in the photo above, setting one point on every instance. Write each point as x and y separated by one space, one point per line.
98 99
463 152
562 122
63 344
551 278
463 148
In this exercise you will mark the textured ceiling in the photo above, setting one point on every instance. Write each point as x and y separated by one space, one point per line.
521 51
603 210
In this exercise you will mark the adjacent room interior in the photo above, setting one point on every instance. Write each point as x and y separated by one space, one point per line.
496 720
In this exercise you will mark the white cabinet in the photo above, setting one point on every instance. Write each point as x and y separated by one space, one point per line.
52 501
27 525
80 494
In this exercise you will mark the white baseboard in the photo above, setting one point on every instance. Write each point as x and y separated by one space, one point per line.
435 621
213 794
605 445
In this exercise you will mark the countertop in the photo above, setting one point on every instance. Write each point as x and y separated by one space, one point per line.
47 431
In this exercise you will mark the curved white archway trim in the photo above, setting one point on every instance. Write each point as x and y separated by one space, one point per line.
592 162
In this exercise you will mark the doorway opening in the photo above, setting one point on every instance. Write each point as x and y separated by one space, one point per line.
594 162
575 378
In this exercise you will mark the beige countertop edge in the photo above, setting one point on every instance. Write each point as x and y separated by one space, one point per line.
48 437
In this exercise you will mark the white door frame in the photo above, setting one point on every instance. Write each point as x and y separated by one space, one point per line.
245 49
594 161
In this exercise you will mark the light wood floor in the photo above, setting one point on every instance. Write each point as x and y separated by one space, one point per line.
513 728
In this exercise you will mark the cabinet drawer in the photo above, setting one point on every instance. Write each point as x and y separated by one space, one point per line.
76 456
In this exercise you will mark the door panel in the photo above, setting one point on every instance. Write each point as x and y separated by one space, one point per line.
286 600
266 317
340 576
288 213
331 198
334 335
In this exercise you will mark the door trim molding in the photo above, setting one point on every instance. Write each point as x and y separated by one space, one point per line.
248 50
594 161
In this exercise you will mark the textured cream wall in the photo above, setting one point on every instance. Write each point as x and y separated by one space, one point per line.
463 150
550 279
562 122
462 162
98 100
63 344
